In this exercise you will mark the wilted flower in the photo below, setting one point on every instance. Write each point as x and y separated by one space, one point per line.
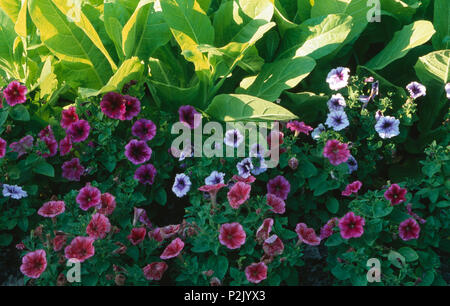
169 230
317 131
409 229
338 78
137 151
182 185
15 93
21 147
88 197
352 164
244 167
155 270
79 130
416 90
351 226
299 127
336 152
144 129
145 174
72 170
34 264
189 116
68 116
52 209
232 235
352 188
14 191
215 178
337 120
137 235
273 246
279 186
336 103
277 204
233 138
173 249
98 227
306 234
395 194
387 127
80 248
256 272
238 194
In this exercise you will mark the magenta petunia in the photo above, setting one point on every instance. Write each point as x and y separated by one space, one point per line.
34 264
65 145
2 147
328 229
273 246
88 197
238 194
52 209
409 229
279 186
144 129
250 179
299 127
169 230
59 242
232 235
352 188
22 146
52 146
277 204
15 93
68 116
336 152
395 194
132 107
173 249
137 151
145 174
256 272
137 235
351 226
72 170
306 234
108 202
113 105
98 227
79 130
81 248
189 116
155 270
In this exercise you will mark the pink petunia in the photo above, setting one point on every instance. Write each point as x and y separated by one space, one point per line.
277 204
299 127
351 226
232 235
2 147
79 130
169 230
336 152
306 234
250 179
68 116
155 270
108 202
327 230
59 242
395 194
80 248
238 194
173 249
52 209
34 264
409 229
273 246
65 145
279 186
137 235
352 188
264 230
15 93
88 197
256 272
72 170
98 227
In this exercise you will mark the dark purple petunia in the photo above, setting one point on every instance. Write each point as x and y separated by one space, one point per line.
145 174
144 129
79 130
113 105
68 116
188 116
132 107
279 186
72 170
15 93
137 151
65 145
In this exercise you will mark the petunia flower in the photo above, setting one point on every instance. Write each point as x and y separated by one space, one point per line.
14 191
181 185
337 120
144 129
34 264
277 204
68 116
232 235
15 93
81 248
189 116
173 249
279 186
137 235
233 138
306 234
336 152
72 170
336 103
215 178
416 90
338 78
79 130
238 194
137 151
351 226
21 147
155 270
352 188
88 197
256 272
108 204
98 227
387 127
145 174
409 229
52 209
395 194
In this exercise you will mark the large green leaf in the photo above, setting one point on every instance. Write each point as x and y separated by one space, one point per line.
11 8
316 37
75 42
115 17
235 107
402 9
441 21
7 38
309 106
144 32
278 76
409 37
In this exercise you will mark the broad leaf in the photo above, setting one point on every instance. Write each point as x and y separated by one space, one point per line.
278 76
234 107
409 37
402 9
441 21
309 106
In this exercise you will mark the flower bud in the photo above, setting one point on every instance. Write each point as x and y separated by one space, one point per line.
293 163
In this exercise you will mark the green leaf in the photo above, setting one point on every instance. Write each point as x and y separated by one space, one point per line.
340 272
233 107
133 252
409 254
144 32
11 8
77 43
275 77
115 17
396 259
316 37
402 9
3 115
19 112
7 37
307 105
409 37
44 168
332 205
334 240
441 21
5 239
161 196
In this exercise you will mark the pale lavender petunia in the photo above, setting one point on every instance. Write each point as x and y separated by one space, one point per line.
387 127
338 78
337 120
